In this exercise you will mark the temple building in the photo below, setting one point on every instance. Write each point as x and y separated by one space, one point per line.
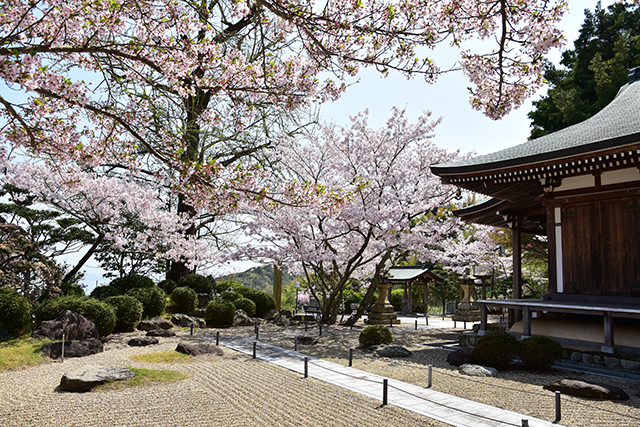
581 188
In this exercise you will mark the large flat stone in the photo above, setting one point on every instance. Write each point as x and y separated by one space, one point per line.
584 388
89 376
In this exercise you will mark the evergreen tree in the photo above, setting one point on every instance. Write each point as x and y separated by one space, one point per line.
608 46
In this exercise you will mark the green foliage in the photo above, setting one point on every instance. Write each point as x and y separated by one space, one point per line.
184 299
103 292
100 313
262 300
540 352
375 335
168 286
153 300
608 45
220 312
128 312
223 286
245 304
197 282
15 312
122 285
497 349
64 289
396 298
260 278
230 295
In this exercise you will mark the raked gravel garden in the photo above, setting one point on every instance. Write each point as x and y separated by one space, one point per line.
235 390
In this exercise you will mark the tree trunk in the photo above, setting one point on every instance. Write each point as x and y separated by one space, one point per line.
84 259
195 106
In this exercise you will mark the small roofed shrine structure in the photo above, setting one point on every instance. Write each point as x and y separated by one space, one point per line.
409 276
580 187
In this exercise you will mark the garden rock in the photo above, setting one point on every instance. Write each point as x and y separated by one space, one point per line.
305 340
74 325
582 388
477 370
242 319
73 348
286 313
161 333
88 377
394 351
142 341
270 314
155 323
198 349
460 356
186 321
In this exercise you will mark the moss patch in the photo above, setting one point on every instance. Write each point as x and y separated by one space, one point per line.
20 353
144 377
162 357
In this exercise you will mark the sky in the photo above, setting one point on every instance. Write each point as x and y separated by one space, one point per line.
461 128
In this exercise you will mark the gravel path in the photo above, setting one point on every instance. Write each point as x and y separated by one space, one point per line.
518 391
232 390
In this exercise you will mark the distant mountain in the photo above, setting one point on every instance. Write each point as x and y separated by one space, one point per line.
258 278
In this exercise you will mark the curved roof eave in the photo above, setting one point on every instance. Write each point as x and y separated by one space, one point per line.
618 124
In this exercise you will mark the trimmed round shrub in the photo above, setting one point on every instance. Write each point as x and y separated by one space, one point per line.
263 302
103 292
230 295
496 349
168 286
100 313
375 335
128 312
123 284
197 282
233 284
153 300
540 352
184 300
15 312
220 312
247 305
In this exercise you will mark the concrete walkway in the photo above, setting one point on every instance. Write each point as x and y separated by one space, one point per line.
439 406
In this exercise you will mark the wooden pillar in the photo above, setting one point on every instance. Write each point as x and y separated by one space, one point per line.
515 315
526 323
277 286
425 299
483 319
410 301
608 333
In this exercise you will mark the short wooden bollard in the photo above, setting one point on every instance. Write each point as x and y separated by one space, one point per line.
416 325
385 391
429 376
391 323
320 329
350 357
525 423
257 331
192 329
558 411
218 338
305 326
254 349
306 367
427 317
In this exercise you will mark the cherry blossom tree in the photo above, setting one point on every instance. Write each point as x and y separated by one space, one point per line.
105 206
389 213
183 95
